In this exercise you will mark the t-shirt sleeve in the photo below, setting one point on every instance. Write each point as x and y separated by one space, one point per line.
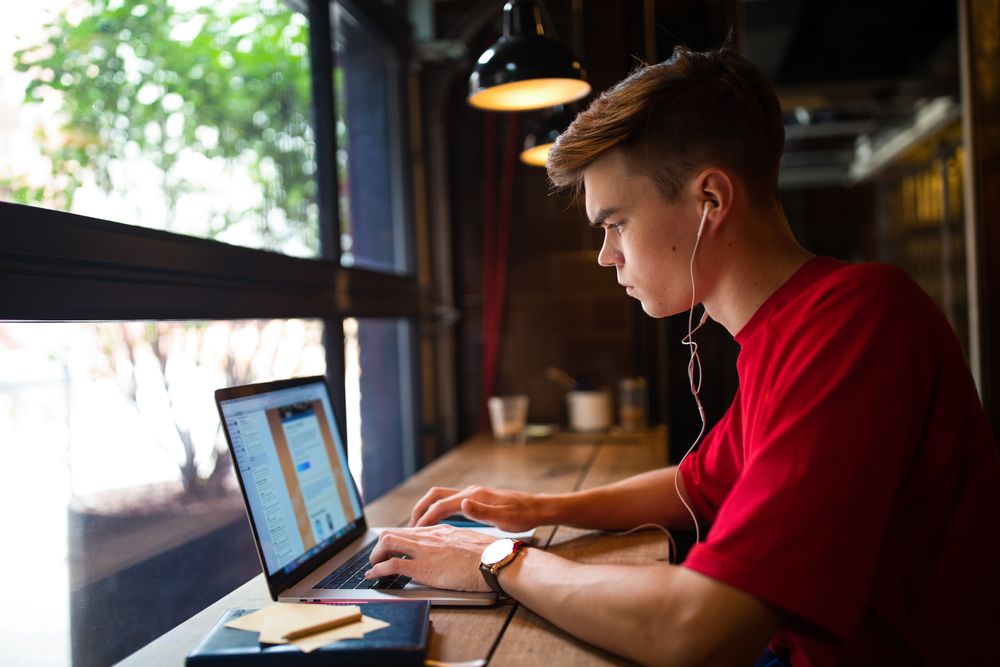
825 451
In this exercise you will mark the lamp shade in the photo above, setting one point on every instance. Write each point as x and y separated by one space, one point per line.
525 69
541 136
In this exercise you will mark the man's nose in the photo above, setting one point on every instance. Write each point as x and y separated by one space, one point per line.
609 255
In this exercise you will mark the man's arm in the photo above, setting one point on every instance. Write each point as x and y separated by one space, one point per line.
655 614
650 497
646 498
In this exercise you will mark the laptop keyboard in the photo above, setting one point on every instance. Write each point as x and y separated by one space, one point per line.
352 574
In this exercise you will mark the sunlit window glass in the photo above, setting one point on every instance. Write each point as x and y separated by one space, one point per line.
192 116
380 405
117 486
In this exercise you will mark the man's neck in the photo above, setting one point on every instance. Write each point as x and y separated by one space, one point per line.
748 264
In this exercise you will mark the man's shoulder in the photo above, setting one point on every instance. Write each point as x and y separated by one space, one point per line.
864 288
843 302
869 277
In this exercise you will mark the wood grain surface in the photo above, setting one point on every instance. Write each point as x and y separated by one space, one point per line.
506 634
530 639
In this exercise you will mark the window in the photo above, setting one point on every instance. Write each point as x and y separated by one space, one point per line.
113 442
151 255
190 116
369 141
381 416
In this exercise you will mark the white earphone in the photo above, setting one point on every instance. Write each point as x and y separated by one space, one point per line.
694 365
704 217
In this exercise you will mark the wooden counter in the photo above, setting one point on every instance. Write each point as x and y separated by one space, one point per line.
506 634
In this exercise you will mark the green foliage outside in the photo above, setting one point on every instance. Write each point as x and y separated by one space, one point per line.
228 80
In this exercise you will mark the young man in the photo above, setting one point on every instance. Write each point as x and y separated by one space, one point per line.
853 488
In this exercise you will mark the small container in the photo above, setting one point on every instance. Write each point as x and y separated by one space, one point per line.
589 411
508 415
633 403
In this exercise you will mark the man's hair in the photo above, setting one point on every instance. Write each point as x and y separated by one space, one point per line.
697 109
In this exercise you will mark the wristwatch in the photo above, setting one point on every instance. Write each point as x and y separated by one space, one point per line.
495 557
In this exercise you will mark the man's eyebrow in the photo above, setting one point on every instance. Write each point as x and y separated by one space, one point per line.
602 215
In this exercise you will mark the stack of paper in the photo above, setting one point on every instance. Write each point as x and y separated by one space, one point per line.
307 626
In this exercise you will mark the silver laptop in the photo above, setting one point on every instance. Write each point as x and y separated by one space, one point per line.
304 508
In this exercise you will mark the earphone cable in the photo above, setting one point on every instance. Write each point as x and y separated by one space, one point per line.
694 364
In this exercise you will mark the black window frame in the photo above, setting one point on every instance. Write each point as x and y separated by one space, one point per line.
57 266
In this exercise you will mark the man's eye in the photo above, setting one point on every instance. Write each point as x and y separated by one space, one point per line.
617 226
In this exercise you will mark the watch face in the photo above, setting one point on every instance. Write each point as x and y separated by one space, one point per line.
497 551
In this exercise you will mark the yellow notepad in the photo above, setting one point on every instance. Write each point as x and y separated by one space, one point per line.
307 626
298 620
279 623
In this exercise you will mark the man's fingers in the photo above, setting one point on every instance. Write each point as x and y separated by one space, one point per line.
401 566
450 504
432 496
503 516
481 511
392 544
439 502
439 510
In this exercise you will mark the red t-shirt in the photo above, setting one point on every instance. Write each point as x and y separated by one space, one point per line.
854 481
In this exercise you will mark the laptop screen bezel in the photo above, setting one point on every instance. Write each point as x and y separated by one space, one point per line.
281 580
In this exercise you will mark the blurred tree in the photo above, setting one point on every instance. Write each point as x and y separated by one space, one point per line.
159 359
161 80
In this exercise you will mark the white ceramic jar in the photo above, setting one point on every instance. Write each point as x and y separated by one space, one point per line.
589 411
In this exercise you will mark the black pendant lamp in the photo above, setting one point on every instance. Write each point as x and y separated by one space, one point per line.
525 69
540 138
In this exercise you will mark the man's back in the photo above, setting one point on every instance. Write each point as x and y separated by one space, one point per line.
855 482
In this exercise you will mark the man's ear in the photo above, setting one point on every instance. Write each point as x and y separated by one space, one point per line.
714 186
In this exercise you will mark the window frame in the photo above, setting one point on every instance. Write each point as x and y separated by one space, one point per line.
57 266
396 35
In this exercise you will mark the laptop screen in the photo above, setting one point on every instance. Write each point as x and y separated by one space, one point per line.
294 472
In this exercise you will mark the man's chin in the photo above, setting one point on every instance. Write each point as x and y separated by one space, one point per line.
658 310
652 309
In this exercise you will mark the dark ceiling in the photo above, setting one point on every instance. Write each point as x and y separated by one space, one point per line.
847 72
835 41
850 71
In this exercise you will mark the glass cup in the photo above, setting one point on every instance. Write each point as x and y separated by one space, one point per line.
508 415
633 403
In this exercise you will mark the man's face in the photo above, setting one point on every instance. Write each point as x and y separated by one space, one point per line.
647 238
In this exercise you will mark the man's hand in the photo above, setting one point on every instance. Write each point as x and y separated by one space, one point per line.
508 510
439 556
